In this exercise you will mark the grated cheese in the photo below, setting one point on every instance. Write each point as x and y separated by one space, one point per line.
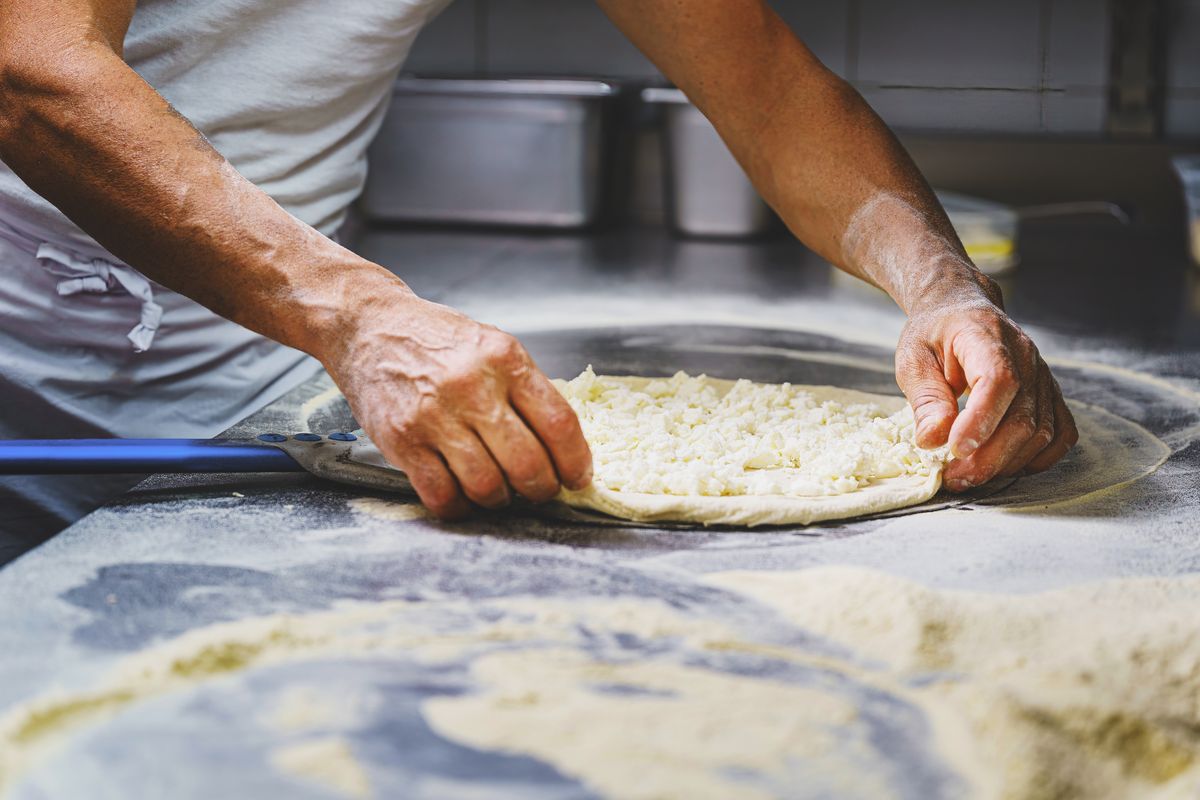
699 436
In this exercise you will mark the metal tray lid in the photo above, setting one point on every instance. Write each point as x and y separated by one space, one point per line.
664 94
512 87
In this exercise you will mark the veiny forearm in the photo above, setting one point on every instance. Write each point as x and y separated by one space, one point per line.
814 149
89 135
847 188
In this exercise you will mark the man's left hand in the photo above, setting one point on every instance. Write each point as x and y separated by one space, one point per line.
1015 420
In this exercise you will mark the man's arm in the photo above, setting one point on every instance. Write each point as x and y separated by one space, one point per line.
845 186
459 406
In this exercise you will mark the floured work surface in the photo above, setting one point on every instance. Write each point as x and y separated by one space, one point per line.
278 635
827 682
713 451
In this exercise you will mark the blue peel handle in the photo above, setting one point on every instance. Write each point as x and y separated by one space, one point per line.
114 456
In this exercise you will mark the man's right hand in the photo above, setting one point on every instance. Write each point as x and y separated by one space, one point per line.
458 405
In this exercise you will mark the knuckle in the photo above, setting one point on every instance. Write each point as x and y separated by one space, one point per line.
502 348
996 323
537 485
485 486
1025 424
437 492
1044 435
984 473
908 357
561 421
1004 374
404 431
524 485
440 499
542 491
573 477
992 289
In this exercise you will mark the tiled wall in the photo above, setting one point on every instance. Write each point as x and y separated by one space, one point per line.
1183 69
1011 66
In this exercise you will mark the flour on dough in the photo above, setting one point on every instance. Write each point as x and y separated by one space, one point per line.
701 449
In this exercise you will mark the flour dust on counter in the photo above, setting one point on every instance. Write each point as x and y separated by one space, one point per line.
328 762
1088 691
699 702
829 681
713 451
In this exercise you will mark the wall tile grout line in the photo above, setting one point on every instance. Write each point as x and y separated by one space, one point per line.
1045 23
852 14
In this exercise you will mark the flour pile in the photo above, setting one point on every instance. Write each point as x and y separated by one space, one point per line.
766 453
1086 692
1092 691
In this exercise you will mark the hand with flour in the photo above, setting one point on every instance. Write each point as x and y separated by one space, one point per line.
1015 420
458 405
844 185
958 338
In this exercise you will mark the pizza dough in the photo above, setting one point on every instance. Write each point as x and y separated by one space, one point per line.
701 449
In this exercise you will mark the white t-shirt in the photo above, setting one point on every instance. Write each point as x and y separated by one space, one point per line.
291 94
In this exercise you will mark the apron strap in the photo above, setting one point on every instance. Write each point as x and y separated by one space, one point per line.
98 276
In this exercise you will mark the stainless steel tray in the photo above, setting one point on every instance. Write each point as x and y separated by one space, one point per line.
491 152
706 191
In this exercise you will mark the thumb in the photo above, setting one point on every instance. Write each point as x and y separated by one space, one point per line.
934 402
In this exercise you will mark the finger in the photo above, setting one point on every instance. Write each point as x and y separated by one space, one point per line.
476 471
1014 431
994 383
934 403
1065 436
436 487
522 457
551 417
1044 424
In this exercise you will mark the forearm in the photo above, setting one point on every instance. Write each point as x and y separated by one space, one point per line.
814 149
847 188
100 144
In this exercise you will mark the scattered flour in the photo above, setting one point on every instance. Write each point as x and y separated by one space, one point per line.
307 708
317 403
390 510
662 730
1091 691
328 762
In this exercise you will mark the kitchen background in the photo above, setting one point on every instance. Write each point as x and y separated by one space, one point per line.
1023 101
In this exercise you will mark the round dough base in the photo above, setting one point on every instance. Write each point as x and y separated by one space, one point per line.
751 510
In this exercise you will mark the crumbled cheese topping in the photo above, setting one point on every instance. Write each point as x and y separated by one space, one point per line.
689 435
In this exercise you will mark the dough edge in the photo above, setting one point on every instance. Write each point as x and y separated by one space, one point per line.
751 511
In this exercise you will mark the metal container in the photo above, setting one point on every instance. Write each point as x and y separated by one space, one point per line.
706 191
491 152
988 230
1188 170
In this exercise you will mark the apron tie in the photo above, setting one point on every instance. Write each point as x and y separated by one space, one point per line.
80 275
